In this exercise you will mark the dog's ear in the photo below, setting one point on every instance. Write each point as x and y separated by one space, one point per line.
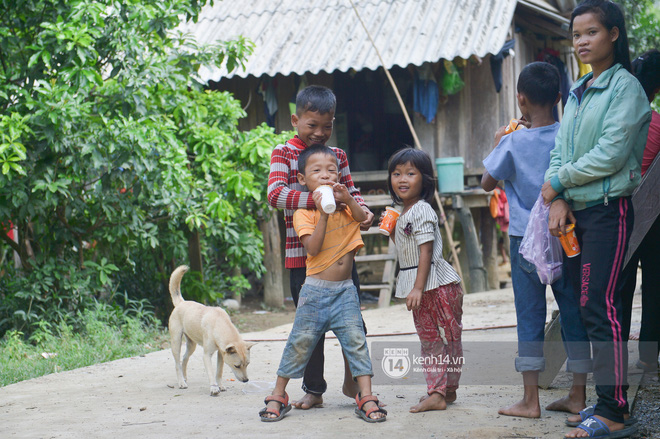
249 345
230 349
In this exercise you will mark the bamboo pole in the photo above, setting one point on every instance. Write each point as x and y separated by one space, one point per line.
418 145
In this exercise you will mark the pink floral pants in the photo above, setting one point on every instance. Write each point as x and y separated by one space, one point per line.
438 324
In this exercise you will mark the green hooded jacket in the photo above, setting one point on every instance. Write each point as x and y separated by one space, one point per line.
599 146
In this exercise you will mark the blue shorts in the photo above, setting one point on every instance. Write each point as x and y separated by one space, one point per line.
324 306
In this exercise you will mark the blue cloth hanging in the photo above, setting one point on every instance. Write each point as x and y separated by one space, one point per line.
496 63
425 93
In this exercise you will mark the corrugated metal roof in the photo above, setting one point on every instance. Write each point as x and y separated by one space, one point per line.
297 37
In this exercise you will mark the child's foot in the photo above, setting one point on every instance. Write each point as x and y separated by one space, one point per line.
308 401
566 404
276 407
449 397
578 418
370 409
434 401
613 426
522 409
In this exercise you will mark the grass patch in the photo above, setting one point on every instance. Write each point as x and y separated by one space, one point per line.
104 333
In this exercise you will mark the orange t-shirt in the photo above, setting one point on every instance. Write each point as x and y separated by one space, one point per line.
342 235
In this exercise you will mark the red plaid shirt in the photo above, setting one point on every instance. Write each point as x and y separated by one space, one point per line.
284 192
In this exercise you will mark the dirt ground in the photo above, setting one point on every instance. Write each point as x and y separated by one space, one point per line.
646 408
138 397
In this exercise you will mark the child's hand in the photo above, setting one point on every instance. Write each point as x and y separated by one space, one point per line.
366 224
316 196
341 193
501 131
382 215
414 299
548 192
524 122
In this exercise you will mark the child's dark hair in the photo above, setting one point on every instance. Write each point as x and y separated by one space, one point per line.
646 69
539 83
610 15
316 148
421 161
315 98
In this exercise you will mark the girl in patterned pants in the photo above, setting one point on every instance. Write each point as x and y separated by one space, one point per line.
429 284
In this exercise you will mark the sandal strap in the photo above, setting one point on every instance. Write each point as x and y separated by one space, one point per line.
284 400
365 399
588 411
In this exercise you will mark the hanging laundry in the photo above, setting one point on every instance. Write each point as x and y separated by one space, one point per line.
300 82
499 209
496 63
451 80
266 89
551 56
425 93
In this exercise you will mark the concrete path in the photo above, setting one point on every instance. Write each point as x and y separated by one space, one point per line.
138 397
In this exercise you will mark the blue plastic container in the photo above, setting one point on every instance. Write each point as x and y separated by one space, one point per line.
450 174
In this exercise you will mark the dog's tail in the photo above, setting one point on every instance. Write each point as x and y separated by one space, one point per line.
175 284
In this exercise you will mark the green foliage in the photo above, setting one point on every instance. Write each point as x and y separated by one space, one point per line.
102 332
642 24
113 156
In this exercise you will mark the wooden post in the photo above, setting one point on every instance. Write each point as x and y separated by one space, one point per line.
273 286
489 244
475 261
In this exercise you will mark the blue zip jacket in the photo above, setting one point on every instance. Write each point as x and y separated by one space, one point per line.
599 146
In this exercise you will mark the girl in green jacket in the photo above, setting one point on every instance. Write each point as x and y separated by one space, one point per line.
594 168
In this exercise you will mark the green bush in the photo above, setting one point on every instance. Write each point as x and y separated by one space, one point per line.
114 160
100 333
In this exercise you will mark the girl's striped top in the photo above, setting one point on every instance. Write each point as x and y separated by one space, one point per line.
415 227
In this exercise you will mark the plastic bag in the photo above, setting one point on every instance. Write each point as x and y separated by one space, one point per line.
539 247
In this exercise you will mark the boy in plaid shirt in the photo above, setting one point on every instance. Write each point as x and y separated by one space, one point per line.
313 121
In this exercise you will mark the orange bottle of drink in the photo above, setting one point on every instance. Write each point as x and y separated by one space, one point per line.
514 125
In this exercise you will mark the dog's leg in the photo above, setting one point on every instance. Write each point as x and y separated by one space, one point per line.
218 373
208 365
190 348
176 337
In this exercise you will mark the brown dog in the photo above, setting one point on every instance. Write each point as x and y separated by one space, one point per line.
209 327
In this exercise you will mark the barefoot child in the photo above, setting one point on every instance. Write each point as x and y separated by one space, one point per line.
429 284
520 159
313 121
328 298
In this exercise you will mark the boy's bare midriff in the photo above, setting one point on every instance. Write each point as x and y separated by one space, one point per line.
340 270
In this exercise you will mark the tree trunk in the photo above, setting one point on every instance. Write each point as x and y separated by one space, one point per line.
195 254
273 286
